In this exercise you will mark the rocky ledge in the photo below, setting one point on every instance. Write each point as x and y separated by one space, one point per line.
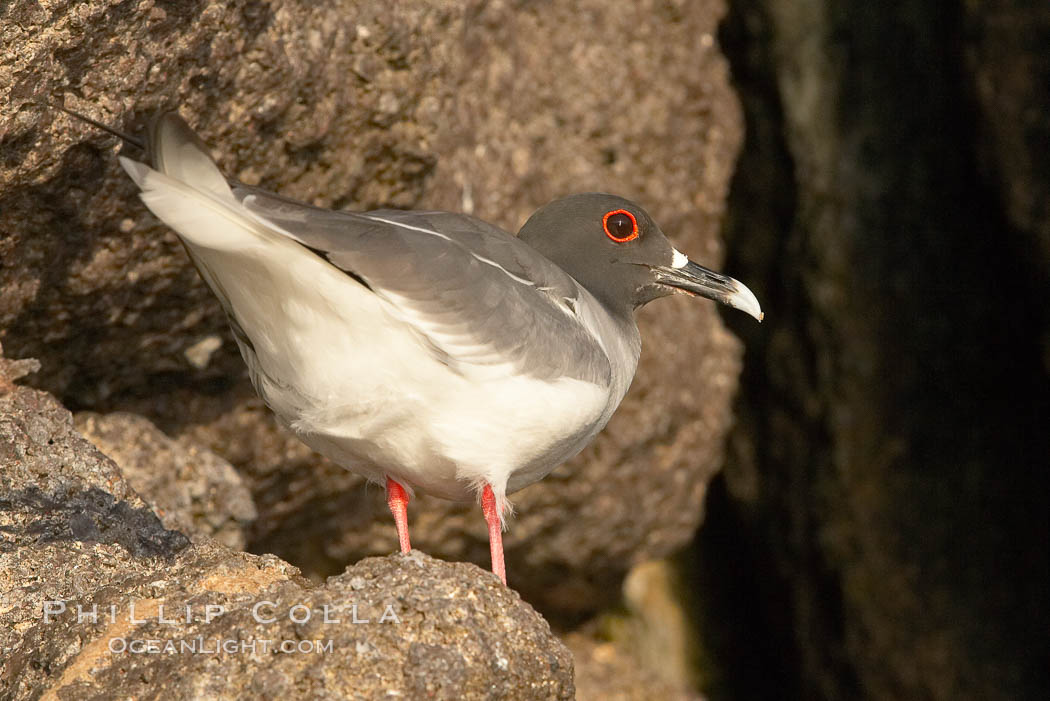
99 600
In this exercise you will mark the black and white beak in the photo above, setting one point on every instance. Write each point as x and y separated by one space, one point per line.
687 276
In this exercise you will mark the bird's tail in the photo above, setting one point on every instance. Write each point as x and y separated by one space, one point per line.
186 190
172 148
176 151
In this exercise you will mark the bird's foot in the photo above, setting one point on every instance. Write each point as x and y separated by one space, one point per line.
397 500
492 516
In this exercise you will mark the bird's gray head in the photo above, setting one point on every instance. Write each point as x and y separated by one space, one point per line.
612 247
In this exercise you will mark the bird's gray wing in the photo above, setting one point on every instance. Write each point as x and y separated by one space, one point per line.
481 297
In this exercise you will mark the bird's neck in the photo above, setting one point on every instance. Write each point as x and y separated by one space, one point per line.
624 349
619 336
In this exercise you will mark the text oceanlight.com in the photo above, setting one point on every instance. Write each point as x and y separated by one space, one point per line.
214 646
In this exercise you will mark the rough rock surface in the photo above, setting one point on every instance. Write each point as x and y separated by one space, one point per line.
493 108
888 484
193 490
74 531
407 626
69 521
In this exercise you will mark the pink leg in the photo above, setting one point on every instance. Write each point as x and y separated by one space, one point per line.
397 500
491 511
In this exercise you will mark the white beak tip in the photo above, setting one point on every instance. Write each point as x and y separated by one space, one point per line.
744 299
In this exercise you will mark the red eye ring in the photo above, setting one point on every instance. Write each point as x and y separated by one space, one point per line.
634 226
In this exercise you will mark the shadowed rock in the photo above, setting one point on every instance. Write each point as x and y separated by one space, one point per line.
192 489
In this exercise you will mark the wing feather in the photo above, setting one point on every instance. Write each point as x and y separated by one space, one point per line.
482 298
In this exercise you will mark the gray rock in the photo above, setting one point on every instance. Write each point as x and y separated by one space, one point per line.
192 489
69 521
405 626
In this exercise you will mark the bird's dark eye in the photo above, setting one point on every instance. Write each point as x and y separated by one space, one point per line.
620 225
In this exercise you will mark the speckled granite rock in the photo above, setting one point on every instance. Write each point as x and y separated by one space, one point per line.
493 108
192 489
404 626
69 521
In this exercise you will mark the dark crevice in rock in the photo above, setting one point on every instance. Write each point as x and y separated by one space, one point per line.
887 457
749 642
